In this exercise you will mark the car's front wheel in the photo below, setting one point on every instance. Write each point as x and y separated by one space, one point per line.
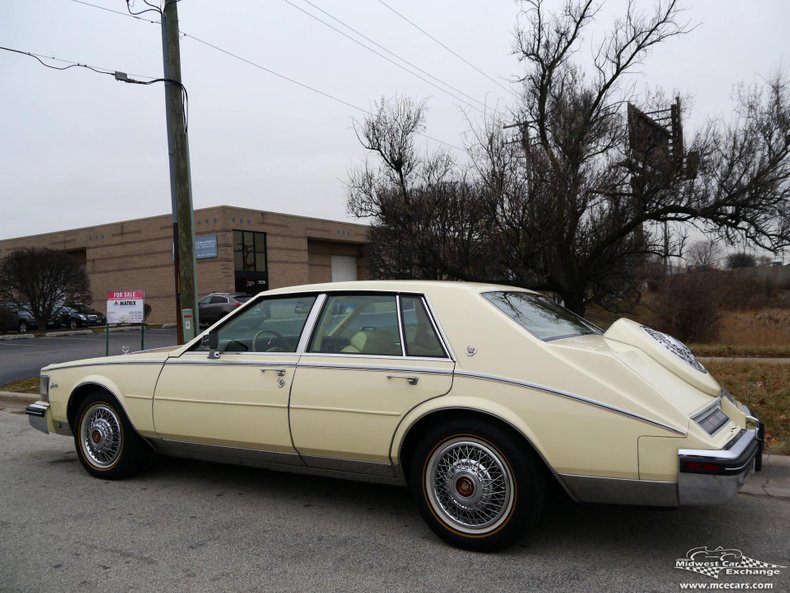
106 443
22 327
477 486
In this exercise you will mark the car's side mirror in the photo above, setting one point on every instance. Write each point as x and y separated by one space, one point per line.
213 344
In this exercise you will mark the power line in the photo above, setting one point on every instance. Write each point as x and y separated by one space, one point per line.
117 74
269 71
301 84
126 14
464 60
374 42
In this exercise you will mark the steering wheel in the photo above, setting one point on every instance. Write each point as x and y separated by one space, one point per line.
270 341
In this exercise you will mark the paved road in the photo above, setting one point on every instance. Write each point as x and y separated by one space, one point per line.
23 358
194 527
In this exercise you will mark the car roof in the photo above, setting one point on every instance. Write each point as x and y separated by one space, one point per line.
421 286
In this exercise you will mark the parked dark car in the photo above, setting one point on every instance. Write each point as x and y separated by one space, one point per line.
14 318
75 316
216 305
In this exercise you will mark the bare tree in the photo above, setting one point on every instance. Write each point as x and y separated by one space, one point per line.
42 279
572 206
586 208
704 255
429 219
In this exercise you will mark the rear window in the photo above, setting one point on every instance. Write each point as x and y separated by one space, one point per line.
541 316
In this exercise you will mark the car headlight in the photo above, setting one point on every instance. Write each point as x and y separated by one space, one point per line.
676 347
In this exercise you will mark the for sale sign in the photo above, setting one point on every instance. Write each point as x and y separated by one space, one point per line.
125 306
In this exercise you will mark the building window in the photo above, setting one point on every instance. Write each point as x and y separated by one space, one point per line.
249 251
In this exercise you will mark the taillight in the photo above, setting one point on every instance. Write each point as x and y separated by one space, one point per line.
698 466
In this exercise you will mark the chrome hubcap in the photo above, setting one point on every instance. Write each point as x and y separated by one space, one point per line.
101 435
469 486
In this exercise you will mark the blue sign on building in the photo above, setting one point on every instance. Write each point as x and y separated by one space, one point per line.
205 246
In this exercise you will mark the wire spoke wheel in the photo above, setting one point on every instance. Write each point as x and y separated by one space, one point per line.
101 435
469 485
478 485
107 443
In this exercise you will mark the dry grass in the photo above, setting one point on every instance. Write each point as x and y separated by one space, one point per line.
764 328
765 388
30 386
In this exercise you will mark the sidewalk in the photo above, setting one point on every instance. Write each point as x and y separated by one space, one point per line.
773 480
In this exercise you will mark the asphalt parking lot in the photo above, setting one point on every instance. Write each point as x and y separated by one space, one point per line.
21 357
199 527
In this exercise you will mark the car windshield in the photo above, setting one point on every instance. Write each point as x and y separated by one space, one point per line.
541 316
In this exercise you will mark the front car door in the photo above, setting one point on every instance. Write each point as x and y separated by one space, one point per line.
371 359
235 398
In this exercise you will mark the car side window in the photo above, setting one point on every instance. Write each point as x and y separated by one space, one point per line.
358 325
216 300
270 325
418 331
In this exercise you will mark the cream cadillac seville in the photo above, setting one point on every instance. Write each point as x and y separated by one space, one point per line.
475 396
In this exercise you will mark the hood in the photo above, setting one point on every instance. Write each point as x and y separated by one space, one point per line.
670 353
156 355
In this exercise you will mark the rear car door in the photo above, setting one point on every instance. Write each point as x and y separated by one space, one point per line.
371 359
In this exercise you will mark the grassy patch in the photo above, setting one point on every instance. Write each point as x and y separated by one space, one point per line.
740 351
25 386
765 388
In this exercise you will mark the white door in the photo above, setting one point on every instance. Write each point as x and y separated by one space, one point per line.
344 268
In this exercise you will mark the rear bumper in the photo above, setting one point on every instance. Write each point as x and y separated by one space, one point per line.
715 476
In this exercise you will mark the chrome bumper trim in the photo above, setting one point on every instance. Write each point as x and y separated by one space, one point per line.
715 476
37 416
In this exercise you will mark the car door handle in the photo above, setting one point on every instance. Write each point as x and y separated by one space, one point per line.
278 372
410 380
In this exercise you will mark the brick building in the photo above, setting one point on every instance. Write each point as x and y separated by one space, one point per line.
237 249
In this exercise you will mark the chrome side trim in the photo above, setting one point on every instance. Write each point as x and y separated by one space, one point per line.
227 360
285 462
304 362
621 491
350 466
68 365
224 453
571 396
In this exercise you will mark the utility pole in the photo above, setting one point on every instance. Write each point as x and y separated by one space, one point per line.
180 180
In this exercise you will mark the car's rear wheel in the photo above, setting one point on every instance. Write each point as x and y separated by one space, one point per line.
106 443
22 327
477 486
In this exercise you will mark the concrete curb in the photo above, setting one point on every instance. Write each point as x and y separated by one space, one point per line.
70 332
20 396
7 337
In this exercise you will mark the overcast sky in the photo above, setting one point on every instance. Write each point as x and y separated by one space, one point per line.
79 148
